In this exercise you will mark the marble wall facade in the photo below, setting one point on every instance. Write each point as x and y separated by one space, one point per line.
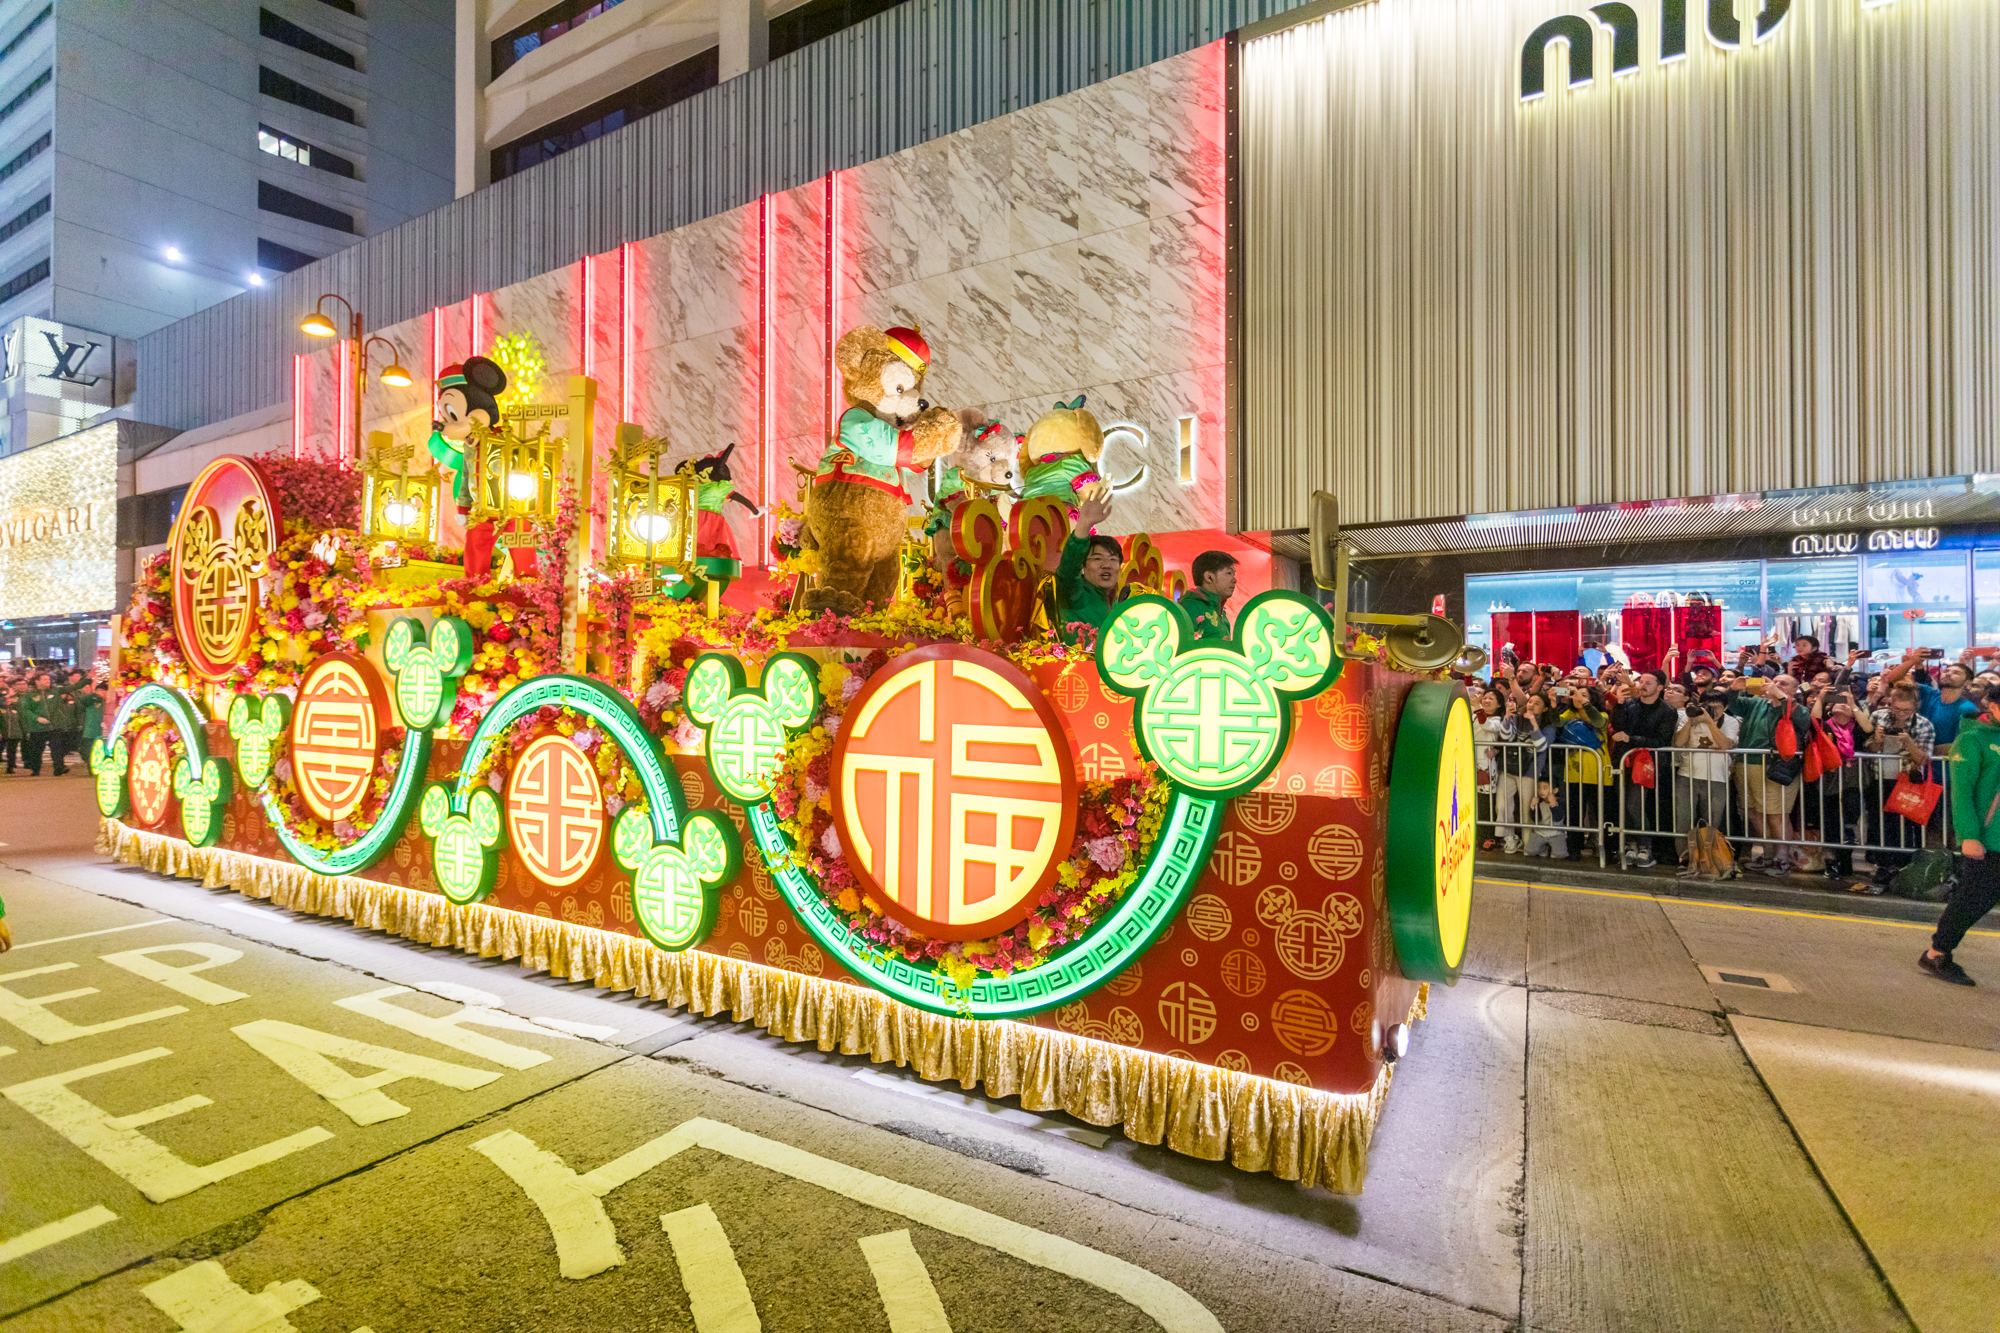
1072 247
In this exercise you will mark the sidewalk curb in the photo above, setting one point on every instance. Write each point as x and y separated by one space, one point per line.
1745 892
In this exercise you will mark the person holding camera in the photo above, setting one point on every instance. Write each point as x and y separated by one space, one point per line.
1771 779
1701 781
1899 741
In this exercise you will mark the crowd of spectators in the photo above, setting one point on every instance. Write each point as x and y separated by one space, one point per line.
48 713
1553 744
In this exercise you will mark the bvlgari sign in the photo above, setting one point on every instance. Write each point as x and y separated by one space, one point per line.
58 521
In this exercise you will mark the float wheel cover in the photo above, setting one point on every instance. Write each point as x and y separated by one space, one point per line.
1431 817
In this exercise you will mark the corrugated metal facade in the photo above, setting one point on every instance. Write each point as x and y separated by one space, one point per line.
923 70
1754 268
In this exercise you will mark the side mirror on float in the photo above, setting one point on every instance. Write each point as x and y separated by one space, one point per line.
1414 643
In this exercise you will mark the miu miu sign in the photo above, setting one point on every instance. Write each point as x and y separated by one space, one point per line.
1620 22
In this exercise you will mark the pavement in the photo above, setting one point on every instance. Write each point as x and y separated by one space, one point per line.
1634 1112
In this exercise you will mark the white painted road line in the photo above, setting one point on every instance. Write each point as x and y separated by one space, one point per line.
90 934
908 1296
718 1297
965 1101
40 1238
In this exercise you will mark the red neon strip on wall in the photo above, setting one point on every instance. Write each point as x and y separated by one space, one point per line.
586 322
479 300
625 332
832 208
299 405
770 473
346 446
437 343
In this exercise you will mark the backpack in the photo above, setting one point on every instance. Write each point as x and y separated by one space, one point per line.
1926 878
1709 855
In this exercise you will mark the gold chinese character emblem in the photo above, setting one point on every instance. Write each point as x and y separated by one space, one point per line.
954 792
222 545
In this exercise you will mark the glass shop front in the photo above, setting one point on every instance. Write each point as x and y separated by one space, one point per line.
1945 597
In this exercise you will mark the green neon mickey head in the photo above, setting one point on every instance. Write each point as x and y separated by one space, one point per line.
256 725
464 848
427 667
110 764
747 728
203 793
674 888
1217 717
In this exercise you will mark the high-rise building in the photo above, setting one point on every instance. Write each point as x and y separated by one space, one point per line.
156 158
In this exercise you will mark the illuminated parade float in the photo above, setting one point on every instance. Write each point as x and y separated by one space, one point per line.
1193 888
662 631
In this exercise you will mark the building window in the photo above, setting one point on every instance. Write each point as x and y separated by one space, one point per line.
297 150
819 19
27 32
24 218
273 84
544 27
281 258
148 520
302 39
674 84
20 282
13 105
25 156
275 199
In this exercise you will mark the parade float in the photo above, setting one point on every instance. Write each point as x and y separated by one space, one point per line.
1195 889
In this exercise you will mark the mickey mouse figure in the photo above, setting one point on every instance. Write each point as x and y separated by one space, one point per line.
467 406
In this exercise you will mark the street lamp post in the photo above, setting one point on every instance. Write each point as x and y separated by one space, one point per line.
319 325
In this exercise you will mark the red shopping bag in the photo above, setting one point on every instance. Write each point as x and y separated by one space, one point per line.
1829 753
1914 801
1642 768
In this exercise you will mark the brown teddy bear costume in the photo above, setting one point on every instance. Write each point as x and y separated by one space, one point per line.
855 511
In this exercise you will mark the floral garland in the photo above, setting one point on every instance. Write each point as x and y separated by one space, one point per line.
1117 824
151 651
308 828
615 773
314 493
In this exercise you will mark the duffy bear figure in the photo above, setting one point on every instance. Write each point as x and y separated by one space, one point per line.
1060 457
855 509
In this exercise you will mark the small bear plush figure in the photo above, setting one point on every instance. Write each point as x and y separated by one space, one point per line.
985 463
1061 453
855 509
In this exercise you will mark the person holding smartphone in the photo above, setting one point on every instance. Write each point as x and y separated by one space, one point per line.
1975 799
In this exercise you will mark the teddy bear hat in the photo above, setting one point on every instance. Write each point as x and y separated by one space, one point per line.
909 344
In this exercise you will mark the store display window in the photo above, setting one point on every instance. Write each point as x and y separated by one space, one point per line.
1673 615
1817 597
1917 599
1986 598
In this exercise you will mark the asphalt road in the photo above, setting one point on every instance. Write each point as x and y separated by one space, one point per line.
216 1115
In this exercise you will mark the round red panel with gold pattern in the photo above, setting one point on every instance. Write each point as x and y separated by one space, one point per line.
337 727
152 777
954 791
222 545
555 811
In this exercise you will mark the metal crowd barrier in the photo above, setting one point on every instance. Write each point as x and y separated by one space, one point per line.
1600 808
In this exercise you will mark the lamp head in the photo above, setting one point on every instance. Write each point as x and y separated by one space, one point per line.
396 375
318 325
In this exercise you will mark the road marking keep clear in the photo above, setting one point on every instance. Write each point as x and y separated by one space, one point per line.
587 1243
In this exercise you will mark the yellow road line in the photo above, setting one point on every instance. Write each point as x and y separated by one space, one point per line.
1732 907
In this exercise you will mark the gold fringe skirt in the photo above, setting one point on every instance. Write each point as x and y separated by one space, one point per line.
1255 1124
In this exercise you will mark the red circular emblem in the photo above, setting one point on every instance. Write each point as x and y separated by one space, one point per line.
954 791
152 777
555 811
222 545
336 733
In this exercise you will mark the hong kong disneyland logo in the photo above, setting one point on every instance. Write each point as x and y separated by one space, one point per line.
1620 22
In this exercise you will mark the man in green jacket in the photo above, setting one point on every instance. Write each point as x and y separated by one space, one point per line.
10 724
1975 813
38 725
69 724
1087 578
1214 576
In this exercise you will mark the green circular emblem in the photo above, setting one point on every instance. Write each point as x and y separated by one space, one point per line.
1432 789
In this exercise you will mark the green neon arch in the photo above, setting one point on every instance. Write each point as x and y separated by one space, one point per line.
602 705
1187 835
